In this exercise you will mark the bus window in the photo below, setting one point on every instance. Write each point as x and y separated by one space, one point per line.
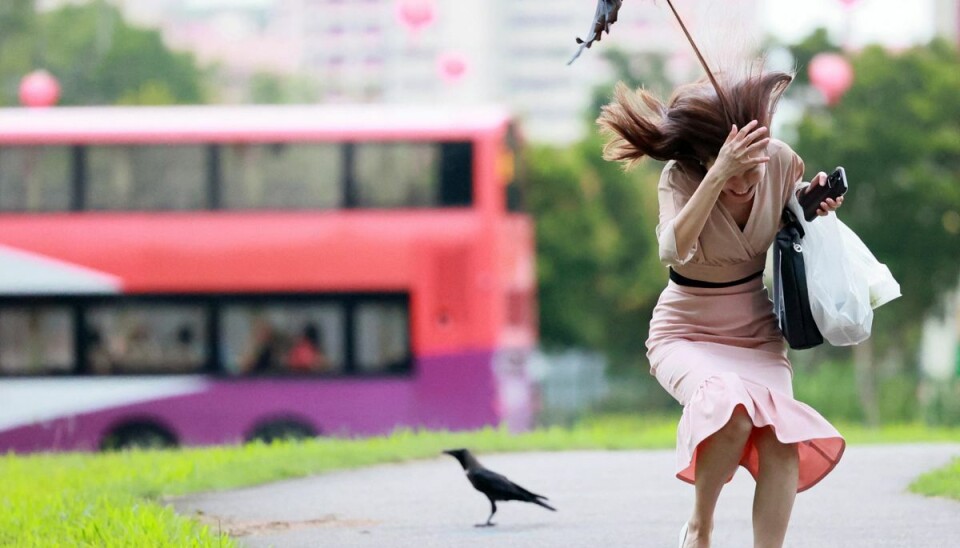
146 177
389 175
36 341
146 338
456 174
35 178
381 337
282 176
280 338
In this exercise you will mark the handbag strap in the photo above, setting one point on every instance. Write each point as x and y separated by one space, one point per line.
790 220
789 234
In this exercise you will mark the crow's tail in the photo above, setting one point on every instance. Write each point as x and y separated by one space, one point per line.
545 505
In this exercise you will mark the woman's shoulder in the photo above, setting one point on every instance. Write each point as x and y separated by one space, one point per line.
674 176
779 150
782 156
785 164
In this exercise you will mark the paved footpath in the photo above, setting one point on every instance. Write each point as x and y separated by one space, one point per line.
605 498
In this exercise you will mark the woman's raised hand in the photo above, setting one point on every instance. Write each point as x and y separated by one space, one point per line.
744 149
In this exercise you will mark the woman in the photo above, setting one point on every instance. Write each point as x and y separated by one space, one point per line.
307 352
714 343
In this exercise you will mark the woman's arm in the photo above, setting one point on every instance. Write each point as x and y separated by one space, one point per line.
743 150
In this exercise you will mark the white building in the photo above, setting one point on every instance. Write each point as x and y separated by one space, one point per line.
947 17
470 51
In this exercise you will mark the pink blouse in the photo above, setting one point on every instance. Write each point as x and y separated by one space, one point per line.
724 252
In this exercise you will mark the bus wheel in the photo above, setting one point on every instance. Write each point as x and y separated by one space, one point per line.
138 435
282 430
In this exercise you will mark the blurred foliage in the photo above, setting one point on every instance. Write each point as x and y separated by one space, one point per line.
648 71
897 133
267 89
941 402
18 28
597 260
274 89
830 387
599 273
808 48
943 482
98 58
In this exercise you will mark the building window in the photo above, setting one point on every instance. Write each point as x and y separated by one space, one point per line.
36 341
35 178
282 176
148 177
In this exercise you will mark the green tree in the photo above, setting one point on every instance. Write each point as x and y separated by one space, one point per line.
804 52
101 59
897 133
97 57
648 71
270 88
599 274
267 88
597 259
18 47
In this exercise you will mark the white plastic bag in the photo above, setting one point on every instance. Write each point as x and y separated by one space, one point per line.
844 280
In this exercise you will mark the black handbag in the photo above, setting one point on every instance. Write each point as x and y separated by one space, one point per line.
791 301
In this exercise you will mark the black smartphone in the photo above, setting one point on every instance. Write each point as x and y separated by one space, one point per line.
834 187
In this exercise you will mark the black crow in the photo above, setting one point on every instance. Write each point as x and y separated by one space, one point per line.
493 485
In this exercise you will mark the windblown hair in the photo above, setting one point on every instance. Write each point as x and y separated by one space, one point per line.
694 123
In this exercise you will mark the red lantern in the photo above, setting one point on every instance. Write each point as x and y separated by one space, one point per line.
452 66
831 74
416 15
39 89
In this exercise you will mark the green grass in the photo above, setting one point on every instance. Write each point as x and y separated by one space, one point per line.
943 482
117 499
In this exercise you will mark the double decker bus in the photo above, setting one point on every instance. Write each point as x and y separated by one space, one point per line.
195 275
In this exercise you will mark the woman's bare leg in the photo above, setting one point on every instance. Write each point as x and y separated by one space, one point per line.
776 489
717 459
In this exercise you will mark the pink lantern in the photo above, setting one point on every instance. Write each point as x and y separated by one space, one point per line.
452 66
849 3
831 74
416 15
39 89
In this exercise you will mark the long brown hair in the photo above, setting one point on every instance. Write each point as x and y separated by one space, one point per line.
695 122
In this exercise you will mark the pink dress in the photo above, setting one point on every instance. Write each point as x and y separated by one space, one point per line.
714 349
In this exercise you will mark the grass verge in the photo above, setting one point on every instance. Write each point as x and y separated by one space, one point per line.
943 482
116 499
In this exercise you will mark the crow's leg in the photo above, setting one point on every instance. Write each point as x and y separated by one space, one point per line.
493 510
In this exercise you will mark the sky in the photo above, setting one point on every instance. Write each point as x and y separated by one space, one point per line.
891 22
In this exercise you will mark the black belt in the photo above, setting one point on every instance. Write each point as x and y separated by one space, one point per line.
683 280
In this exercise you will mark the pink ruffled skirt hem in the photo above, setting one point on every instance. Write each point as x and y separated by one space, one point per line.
715 350
819 445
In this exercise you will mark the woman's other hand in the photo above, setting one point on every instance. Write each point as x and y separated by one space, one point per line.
829 204
744 149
